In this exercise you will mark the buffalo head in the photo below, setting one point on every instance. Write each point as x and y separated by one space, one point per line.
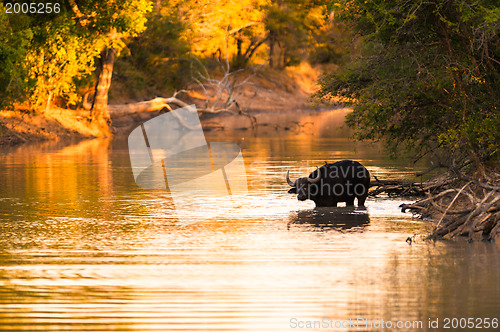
301 186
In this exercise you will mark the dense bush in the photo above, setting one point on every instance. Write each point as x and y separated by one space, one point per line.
428 76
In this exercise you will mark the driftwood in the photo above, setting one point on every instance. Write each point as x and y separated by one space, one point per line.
462 208
155 104
160 103
398 188
458 206
152 105
219 96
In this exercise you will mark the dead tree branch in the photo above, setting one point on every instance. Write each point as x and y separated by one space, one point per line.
220 94
396 188
469 209
155 104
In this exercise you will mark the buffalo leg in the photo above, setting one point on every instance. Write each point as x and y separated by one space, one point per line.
361 200
350 202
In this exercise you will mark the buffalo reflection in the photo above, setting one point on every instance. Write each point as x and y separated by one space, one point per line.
326 218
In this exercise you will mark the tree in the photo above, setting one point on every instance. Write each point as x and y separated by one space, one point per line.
107 27
15 36
220 28
58 55
291 26
155 62
41 56
428 77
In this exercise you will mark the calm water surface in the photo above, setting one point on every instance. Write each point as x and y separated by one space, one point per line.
84 249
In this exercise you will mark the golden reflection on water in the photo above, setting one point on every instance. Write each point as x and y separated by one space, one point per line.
83 248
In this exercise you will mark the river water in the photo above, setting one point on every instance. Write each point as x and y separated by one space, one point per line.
82 248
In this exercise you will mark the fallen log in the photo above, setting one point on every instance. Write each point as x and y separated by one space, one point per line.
157 104
396 188
152 105
120 111
468 209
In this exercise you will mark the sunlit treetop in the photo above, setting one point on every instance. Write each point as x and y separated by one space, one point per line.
213 25
112 20
60 48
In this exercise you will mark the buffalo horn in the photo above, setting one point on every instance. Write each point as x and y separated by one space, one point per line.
317 177
292 184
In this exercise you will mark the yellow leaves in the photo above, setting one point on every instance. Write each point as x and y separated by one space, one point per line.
55 63
477 79
214 25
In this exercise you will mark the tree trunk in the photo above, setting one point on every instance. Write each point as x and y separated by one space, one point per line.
239 59
251 50
99 112
271 50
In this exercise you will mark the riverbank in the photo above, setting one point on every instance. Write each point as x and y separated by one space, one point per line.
273 92
464 205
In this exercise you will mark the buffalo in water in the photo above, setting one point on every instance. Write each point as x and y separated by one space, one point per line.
330 184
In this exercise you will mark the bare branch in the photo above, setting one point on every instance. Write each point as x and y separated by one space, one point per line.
145 106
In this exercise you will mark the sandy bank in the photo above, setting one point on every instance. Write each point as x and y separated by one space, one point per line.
281 93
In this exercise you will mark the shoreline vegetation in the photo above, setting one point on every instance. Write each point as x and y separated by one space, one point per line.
418 76
281 91
462 204
428 79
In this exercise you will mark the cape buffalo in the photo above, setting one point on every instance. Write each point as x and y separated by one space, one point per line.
329 184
